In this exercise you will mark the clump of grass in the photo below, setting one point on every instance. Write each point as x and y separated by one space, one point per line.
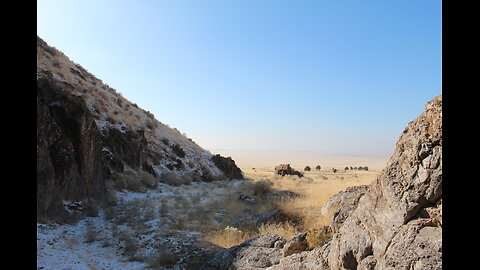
261 187
228 237
162 257
284 229
178 151
318 237
91 234
176 179
148 180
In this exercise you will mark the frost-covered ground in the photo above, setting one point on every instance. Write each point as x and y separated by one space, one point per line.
159 227
181 227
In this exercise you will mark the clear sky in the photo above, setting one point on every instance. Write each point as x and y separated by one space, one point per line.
338 77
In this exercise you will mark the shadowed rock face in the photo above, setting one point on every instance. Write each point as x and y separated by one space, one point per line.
395 223
69 161
227 166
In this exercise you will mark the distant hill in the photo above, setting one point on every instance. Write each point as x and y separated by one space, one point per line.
91 139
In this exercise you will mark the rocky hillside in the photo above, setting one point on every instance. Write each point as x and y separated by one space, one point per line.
395 223
91 139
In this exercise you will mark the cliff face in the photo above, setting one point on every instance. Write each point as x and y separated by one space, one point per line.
69 157
87 133
395 223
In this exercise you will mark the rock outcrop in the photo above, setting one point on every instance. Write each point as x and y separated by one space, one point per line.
69 158
285 169
395 223
227 166
88 134
339 207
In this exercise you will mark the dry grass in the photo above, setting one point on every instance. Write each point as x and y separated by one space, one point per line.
228 237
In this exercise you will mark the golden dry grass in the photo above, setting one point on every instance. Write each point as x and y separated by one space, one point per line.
314 190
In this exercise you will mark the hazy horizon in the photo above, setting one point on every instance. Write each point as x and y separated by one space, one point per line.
336 78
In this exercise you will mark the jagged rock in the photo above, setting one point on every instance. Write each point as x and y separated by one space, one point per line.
227 166
295 244
246 198
69 159
342 204
386 217
128 146
252 254
285 169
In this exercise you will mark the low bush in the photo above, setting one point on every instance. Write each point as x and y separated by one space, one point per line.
261 187
162 257
178 151
148 180
173 179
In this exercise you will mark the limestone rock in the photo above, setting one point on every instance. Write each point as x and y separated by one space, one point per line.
342 204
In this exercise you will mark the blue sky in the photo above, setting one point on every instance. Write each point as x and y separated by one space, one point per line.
334 77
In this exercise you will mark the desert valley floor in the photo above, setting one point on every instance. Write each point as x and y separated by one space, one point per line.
180 227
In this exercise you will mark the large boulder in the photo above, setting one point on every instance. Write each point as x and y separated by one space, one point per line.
255 253
285 169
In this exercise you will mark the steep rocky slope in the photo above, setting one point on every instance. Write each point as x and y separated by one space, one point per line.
89 136
395 223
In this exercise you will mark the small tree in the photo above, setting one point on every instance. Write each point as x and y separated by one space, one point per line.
318 168
307 168
346 168
334 170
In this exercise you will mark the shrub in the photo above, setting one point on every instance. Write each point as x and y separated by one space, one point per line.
56 63
318 167
129 180
148 180
165 141
285 229
178 151
346 169
162 257
173 179
91 234
261 187
151 124
307 168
